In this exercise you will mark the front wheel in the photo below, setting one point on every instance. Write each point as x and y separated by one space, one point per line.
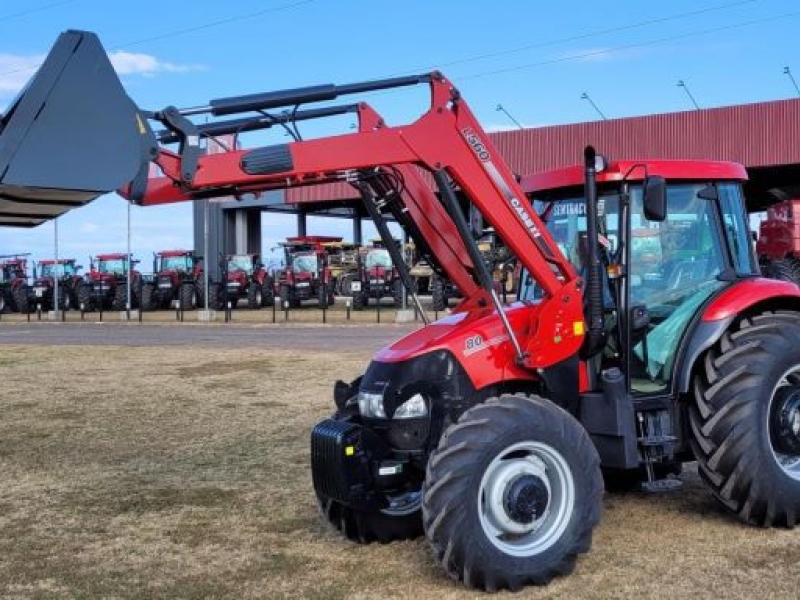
512 494
745 419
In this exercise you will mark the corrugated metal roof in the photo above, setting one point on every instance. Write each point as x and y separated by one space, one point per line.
756 135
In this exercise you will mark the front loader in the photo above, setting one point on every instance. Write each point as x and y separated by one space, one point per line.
491 429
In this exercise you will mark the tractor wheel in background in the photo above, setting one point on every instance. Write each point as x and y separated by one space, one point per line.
187 296
745 419
322 296
120 297
148 302
360 301
283 294
200 294
255 296
398 291
268 298
215 300
401 520
783 270
438 294
3 304
85 298
65 298
20 296
512 494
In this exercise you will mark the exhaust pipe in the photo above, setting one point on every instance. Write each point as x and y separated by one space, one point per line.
71 135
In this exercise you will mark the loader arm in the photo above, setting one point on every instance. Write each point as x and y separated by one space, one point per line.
446 141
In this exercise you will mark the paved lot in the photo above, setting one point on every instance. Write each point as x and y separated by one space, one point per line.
288 337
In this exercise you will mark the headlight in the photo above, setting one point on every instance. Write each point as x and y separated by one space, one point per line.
412 408
371 405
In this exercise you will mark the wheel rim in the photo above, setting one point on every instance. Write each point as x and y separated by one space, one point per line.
526 498
403 504
784 400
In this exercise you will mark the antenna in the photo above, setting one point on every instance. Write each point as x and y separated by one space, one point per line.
585 96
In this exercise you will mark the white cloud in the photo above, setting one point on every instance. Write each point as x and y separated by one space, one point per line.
88 228
17 69
128 63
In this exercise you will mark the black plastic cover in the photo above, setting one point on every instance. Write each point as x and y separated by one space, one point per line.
268 160
70 136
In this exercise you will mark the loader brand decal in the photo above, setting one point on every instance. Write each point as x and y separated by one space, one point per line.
526 218
477 145
476 343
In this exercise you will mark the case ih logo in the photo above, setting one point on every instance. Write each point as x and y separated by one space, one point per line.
476 143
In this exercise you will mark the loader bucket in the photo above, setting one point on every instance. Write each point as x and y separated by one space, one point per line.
71 135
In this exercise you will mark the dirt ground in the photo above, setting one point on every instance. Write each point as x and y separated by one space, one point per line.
168 473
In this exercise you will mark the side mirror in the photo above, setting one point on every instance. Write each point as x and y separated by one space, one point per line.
655 198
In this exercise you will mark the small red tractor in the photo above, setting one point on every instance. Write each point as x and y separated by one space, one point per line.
306 274
45 275
177 278
245 278
376 277
778 243
491 431
105 286
14 288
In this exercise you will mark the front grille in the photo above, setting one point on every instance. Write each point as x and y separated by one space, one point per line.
328 442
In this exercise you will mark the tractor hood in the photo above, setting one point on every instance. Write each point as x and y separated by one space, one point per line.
70 136
473 341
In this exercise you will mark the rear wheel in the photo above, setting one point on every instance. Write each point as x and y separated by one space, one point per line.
148 292
360 301
438 294
268 291
187 296
784 270
745 419
85 299
20 295
512 494
120 297
255 296
322 296
398 291
215 300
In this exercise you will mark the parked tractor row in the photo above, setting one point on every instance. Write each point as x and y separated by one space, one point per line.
315 270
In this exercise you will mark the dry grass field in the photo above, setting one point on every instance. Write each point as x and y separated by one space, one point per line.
183 473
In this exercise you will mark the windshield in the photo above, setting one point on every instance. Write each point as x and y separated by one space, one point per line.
240 263
59 270
175 263
566 221
378 258
117 266
305 263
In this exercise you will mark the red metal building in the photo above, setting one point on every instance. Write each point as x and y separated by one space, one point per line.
764 137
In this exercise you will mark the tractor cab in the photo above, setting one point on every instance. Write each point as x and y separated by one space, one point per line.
659 271
177 261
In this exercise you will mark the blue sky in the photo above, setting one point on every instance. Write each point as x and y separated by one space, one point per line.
535 58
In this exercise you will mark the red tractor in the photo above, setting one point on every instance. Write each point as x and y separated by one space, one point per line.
246 278
377 277
14 288
105 286
306 274
778 244
45 275
177 278
491 430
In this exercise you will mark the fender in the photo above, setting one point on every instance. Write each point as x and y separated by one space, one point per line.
742 297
